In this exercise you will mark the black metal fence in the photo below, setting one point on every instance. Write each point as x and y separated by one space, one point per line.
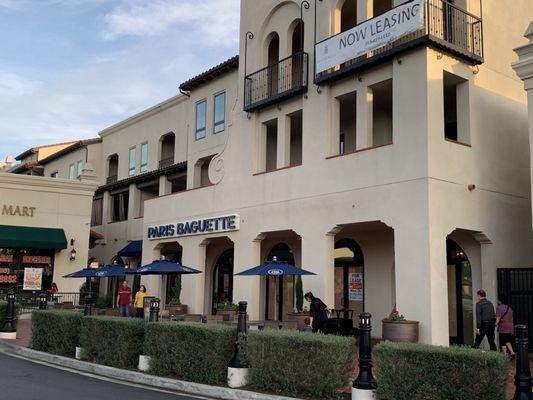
274 82
29 301
445 25
517 286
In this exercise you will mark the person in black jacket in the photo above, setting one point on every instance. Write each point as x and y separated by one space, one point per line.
317 312
486 321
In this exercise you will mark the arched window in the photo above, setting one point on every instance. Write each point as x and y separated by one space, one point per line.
273 58
298 38
348 15
167 150
112 168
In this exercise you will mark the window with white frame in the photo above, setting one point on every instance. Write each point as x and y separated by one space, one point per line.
71 171
144 157
80 168
201 109
220 113
131 169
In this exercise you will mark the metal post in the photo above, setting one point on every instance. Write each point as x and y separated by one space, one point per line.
88 310
239 357
10 314
522 380
364 386
43 301
154 309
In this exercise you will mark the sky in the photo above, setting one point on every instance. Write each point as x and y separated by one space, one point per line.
70 68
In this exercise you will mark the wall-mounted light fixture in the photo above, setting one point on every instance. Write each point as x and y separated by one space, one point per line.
73 254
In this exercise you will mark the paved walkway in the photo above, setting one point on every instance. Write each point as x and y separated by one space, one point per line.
24 338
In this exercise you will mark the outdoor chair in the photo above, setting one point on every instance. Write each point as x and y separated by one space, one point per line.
192 318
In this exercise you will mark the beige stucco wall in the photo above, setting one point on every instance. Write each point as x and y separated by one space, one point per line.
417 186
91 153
60 204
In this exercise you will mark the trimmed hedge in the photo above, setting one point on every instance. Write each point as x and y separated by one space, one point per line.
296 363
112 341
419 372
56 332
191 351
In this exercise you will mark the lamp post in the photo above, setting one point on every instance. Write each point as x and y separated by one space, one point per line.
364 386
238 369
43 301
522 380
154 309
9 331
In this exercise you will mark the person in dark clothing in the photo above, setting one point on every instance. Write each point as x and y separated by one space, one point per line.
317 313
486 321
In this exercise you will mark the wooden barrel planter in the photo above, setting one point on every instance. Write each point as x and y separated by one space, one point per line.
400 331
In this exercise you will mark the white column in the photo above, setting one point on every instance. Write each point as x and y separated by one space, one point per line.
165 187
193 285
247 254
106 208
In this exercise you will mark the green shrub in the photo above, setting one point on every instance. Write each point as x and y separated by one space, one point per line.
419 372
116 342
190 351
302 364
56 331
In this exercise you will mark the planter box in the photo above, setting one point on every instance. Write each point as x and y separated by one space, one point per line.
298 318
176 310
228 315
111 312
400 331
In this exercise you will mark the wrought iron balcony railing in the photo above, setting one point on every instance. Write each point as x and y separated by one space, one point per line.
447 27
277 82
111 179
166 162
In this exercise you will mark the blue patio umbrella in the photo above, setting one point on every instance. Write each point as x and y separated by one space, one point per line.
275 268
163 267
82 273
110 270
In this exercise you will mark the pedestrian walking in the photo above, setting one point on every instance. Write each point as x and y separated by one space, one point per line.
139 301
318 313
124 300
505 324
486 321
53 292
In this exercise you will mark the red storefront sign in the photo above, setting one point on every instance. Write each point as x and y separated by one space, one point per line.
8 278
36 260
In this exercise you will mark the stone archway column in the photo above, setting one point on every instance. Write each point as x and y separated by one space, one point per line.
247 254
421 278
193 285
317 256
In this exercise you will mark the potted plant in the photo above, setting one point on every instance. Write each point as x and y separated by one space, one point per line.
103 306
301 312
227 309
174 306
398 329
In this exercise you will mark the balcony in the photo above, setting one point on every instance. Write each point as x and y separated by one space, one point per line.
111 179
166 162
446 27
277 82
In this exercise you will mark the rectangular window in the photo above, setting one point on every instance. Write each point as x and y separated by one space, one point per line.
80 168
54 174
201 109
271 145
456 108
382 113
96 215
119 206
144 157
131 170
296 138
347 122
220 113
71 171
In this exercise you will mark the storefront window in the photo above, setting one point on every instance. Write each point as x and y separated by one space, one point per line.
26 270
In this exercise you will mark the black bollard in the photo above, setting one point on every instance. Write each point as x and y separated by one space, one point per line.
154 309
239 356
522 380
88 310
10 314
43 301
365 380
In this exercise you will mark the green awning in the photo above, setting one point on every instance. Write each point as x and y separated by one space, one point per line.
25 237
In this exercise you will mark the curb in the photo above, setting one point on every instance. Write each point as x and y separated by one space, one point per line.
173 385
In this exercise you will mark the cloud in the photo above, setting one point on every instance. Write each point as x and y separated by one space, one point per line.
13 85
213 21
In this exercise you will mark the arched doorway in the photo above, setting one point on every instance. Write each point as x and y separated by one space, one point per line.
460 299
273 59
222 279
275 293
349 277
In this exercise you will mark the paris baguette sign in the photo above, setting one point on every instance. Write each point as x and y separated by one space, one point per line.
201 226
370 35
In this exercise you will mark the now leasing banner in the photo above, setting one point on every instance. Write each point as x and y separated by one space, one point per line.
370 35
